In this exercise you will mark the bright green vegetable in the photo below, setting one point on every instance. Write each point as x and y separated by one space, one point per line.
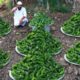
40 20
4 58
72 26
73 54
39 42
35 68
4 27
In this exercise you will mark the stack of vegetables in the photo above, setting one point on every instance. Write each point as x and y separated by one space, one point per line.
72 26
39 41
4 27
4 58
37 68
40 20
73 51
38 64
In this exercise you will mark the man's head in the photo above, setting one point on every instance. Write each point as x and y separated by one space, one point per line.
19 5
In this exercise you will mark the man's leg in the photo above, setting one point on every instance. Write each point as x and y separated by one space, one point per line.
20 26
24 23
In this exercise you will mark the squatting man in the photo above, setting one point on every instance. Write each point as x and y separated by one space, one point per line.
20 15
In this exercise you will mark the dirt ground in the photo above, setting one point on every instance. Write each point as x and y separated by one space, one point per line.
8 43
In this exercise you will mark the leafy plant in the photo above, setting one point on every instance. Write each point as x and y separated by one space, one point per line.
39 41
37 68
4 57
63 8
4 27
72 26
59 6
40 19
73 54
1 1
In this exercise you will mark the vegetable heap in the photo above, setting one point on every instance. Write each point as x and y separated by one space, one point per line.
37 68
38 64
73 54
40 20
72 26
4 27
4 58
39 41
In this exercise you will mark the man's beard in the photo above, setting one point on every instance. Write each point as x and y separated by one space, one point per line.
19 8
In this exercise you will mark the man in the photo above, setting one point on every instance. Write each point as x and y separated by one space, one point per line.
20 15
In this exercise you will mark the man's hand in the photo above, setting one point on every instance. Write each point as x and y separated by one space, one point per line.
14 9
21 20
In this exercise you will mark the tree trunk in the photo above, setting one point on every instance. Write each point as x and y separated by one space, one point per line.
48 5
76 6
14 2
69 1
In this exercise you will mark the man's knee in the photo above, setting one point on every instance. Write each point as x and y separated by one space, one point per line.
24 23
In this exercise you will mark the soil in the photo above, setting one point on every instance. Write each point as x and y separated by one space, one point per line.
8 43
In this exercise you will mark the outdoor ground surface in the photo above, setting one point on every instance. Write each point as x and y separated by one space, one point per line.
8 43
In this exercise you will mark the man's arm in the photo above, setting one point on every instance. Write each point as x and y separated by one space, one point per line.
24 12
14 9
